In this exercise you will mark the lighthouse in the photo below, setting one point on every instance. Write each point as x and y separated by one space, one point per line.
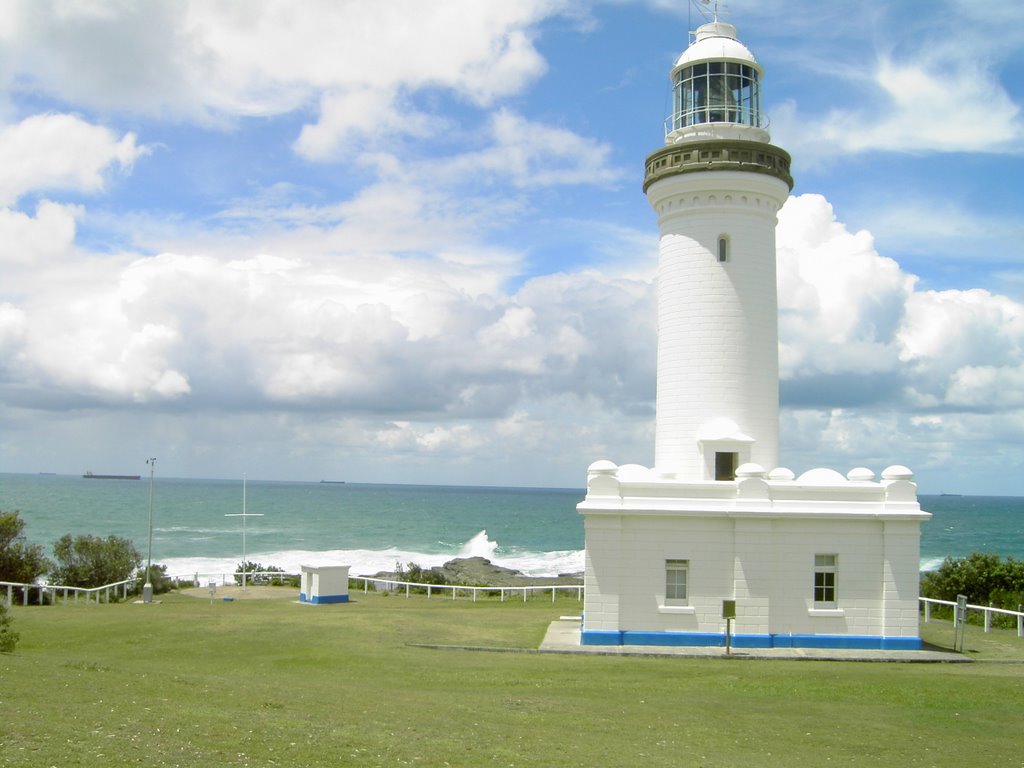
716 537
717 186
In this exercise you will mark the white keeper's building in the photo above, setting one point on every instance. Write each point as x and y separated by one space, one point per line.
819 560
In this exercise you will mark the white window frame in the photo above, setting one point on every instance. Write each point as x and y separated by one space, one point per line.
673 567
826 580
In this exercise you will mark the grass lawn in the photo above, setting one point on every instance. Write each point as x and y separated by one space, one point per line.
269 682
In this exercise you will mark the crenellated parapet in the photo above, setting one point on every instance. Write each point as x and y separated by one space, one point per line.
817 493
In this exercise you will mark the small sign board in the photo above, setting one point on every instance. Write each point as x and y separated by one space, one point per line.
728 609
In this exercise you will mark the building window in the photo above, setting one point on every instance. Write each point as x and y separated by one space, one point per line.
725 465
723 248
676 573
825 573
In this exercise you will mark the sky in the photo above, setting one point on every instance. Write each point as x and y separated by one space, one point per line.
407 242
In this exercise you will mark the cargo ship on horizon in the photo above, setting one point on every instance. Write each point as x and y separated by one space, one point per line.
90 475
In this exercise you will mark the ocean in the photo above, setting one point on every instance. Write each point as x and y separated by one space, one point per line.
374 527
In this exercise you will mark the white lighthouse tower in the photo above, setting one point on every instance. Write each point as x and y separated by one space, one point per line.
716 528
717 186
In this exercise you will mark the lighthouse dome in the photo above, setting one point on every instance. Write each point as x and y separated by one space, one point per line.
716 90
717 41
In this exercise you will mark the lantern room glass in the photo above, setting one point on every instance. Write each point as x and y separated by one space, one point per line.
716 92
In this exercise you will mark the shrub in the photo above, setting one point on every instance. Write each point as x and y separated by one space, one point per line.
157 577
89 561
983 578
19 561
261 573
415 573
8 637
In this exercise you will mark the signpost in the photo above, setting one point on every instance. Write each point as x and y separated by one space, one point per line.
729 614
959 621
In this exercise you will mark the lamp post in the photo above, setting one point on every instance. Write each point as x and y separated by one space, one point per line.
147 588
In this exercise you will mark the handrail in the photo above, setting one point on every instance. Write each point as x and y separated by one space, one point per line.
526 589
987 609
53 589
394 584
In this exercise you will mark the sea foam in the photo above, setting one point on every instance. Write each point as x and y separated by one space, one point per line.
367 562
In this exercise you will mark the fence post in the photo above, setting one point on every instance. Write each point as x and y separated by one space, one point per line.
1020 621
988 619
927 612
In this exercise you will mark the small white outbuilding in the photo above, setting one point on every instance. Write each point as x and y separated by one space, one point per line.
324 584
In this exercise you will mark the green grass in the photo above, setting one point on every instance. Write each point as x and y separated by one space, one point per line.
265 683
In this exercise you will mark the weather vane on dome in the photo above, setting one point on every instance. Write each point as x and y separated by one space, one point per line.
709 9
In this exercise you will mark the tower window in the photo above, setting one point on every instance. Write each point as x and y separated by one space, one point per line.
723 248
725 465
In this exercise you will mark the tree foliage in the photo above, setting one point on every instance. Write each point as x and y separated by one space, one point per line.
261 573
158 579
983 578
89 561
19 561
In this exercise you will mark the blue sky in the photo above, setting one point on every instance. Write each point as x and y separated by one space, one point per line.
407 242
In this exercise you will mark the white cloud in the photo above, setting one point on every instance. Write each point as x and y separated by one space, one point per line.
37 239
936 88
211 61
60 152
840 302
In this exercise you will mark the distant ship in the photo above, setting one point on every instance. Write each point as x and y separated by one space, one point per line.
333 482
90 476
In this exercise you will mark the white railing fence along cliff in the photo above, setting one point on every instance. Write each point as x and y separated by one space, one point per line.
7 589
988 610
53 590
394 585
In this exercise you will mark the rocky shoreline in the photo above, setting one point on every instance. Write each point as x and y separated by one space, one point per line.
481 572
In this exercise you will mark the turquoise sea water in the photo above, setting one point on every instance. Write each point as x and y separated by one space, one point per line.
371 527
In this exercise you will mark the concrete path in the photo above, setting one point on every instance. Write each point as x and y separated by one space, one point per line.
563 636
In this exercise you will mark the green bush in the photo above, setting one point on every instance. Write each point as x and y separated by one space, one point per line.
8 637
19 561
984 579
89 561
415 573
261 574
162 583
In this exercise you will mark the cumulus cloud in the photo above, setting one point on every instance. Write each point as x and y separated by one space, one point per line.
60 152
854 330
26 239
217 61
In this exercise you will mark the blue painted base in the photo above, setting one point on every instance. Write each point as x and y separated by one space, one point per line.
712 640
323 599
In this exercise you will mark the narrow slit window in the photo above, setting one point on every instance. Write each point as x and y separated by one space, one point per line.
723 248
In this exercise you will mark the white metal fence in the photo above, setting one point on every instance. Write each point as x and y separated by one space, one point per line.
41 591
394 585
988 610
60 592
